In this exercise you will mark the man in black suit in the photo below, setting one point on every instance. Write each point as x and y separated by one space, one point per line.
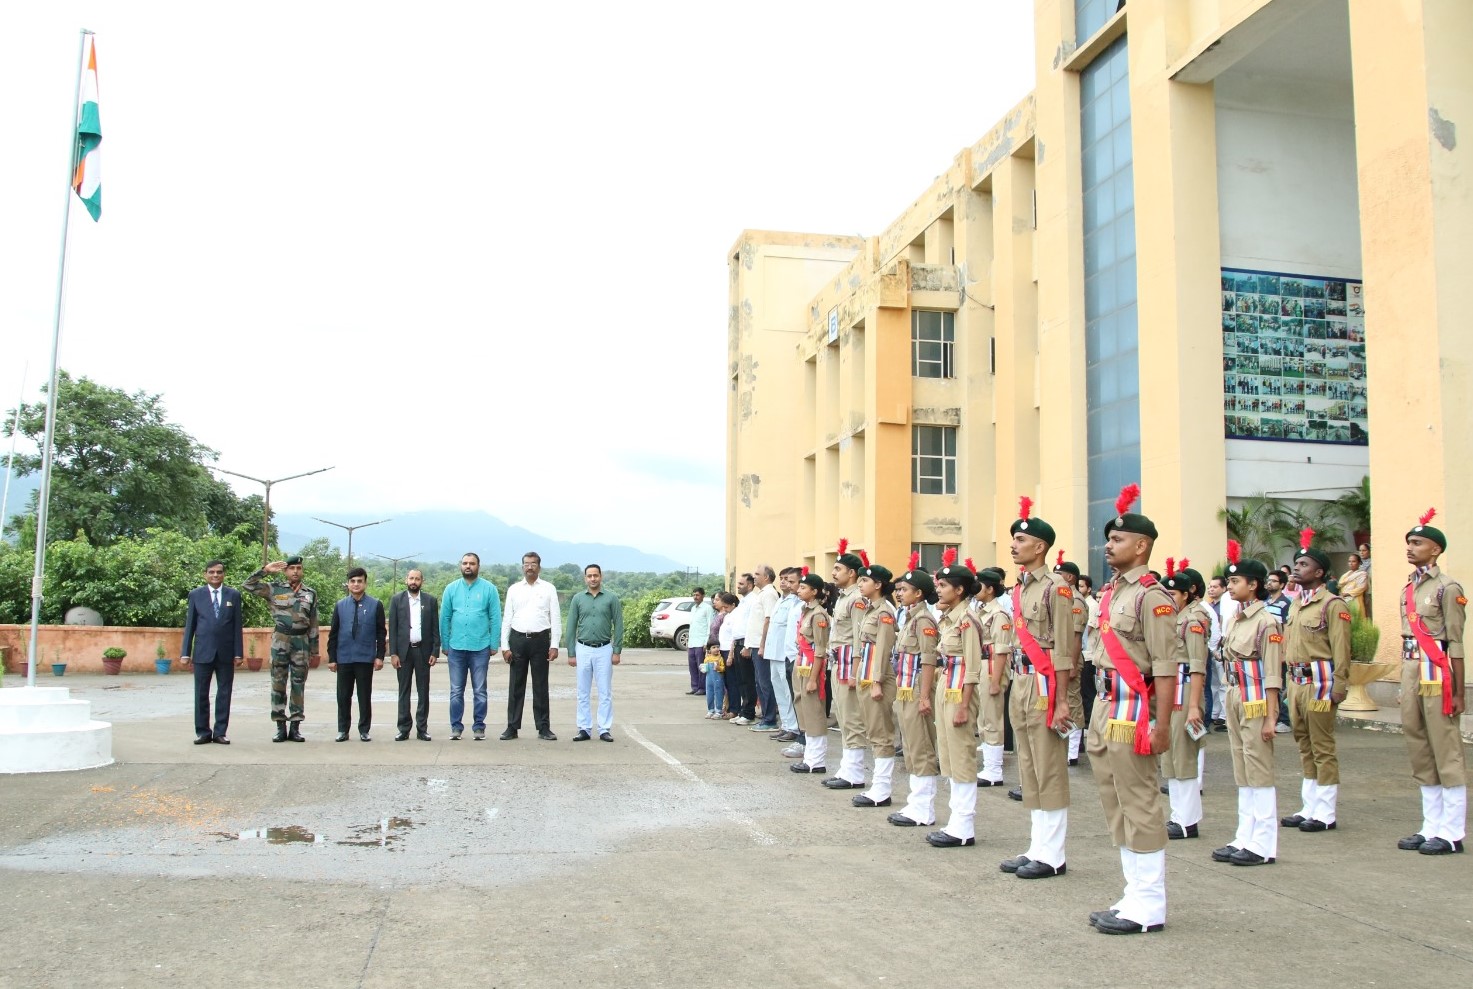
414 645
212 645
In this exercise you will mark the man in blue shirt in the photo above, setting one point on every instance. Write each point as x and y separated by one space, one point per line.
782 646
470 625
355 649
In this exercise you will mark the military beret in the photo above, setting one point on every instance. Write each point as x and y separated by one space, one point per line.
1428 531
813 580
1127 521
294 561
1248 569
994 577
918 578
1066 566
1306 536
877 573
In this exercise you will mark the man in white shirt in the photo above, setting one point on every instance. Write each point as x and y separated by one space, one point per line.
758 618
1224 608
530 633
741 696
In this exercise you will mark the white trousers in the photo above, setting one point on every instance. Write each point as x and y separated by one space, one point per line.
815 751
920 804
880 787
991 764
1186 801
961 823
778 672
1145 887
1258 824
1454 822
1048 832
851 766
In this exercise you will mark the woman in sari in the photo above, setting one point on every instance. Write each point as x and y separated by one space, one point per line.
1355 585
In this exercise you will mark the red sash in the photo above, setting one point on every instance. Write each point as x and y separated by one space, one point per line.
1036 654
1129 671
1430 646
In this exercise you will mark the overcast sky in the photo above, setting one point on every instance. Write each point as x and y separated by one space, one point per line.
471 255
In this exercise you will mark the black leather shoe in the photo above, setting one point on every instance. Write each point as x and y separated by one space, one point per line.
509 734
1219 726
940 839
280 732
1292 821
982 782
1411 843
839 783
1244 857
582 736
1165 789
547 736
1311 826
787 736
901 821
1040 870
220 740
799 767
1014 864
1114 924
1440 846
1016 793
860 800
1094 918
1224 854
363 736
1074 761
295 735
423 736
203 739
342 737
604 736
403 736
1176 831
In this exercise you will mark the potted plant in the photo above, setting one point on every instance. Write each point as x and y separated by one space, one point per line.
58 668
112 660
160 664
253 662
1365 637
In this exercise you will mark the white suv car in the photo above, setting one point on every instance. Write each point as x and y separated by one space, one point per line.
670 621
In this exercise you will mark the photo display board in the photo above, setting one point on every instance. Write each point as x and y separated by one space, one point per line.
1293 357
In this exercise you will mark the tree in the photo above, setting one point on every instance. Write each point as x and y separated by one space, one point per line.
1354 507
120 468
1258 526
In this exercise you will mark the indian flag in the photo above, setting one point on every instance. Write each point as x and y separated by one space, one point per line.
87 179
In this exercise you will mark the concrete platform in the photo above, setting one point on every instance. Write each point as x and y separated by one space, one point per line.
45 730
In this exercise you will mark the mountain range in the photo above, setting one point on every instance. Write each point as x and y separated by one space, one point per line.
445 535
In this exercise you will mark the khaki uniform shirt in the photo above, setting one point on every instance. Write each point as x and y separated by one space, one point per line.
919 635
878 626
848 613
1320 629
1441 603
997 634
1046 605
813 625
958 636
1255 633
1193 625
1143 617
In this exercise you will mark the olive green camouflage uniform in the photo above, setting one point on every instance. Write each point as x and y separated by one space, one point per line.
295 640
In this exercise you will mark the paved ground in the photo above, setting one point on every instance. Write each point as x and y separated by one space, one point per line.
682 855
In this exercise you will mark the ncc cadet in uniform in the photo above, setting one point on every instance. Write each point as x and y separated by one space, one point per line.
1182 766
876 676
293 644
1432 702
1043 622
958 671
808 675
848 616
1253 654
915 680
1068 572
997 647
1317 648
1135 660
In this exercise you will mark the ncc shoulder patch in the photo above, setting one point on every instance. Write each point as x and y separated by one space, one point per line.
860 604
929 631
1462 600
965 625
1065 592
1197 627
1275 637
1006 627
1079 611
887 619
1345 616
1161 610
822 623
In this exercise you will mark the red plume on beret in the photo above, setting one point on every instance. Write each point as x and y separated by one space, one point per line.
969 564
915 561
1170 566
1235 551
1025 507
805 571
843 546
1060 561
864 557
948 557
1183 564
1306 536
1427 516
1129 495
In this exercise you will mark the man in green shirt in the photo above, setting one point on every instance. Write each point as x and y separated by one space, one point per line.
594 638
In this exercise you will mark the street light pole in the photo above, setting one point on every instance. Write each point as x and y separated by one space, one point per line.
350 528
396 560
266 513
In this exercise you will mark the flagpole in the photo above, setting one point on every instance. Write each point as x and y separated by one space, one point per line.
43 499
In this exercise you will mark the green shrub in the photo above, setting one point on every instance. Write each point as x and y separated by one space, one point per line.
1364 637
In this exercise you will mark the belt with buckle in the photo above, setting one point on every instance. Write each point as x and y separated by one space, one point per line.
594 645
1022 665
1105 683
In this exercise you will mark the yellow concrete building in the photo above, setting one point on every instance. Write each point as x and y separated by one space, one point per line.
1214 252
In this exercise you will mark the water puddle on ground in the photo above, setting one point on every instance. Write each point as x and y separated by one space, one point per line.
293 834
386 832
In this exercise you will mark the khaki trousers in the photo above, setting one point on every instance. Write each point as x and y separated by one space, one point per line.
1253 758
920 738
955 750
878 717
1433 741
1315 733
1181 762
846 712
992 711
1129 792
809 707
1043 757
